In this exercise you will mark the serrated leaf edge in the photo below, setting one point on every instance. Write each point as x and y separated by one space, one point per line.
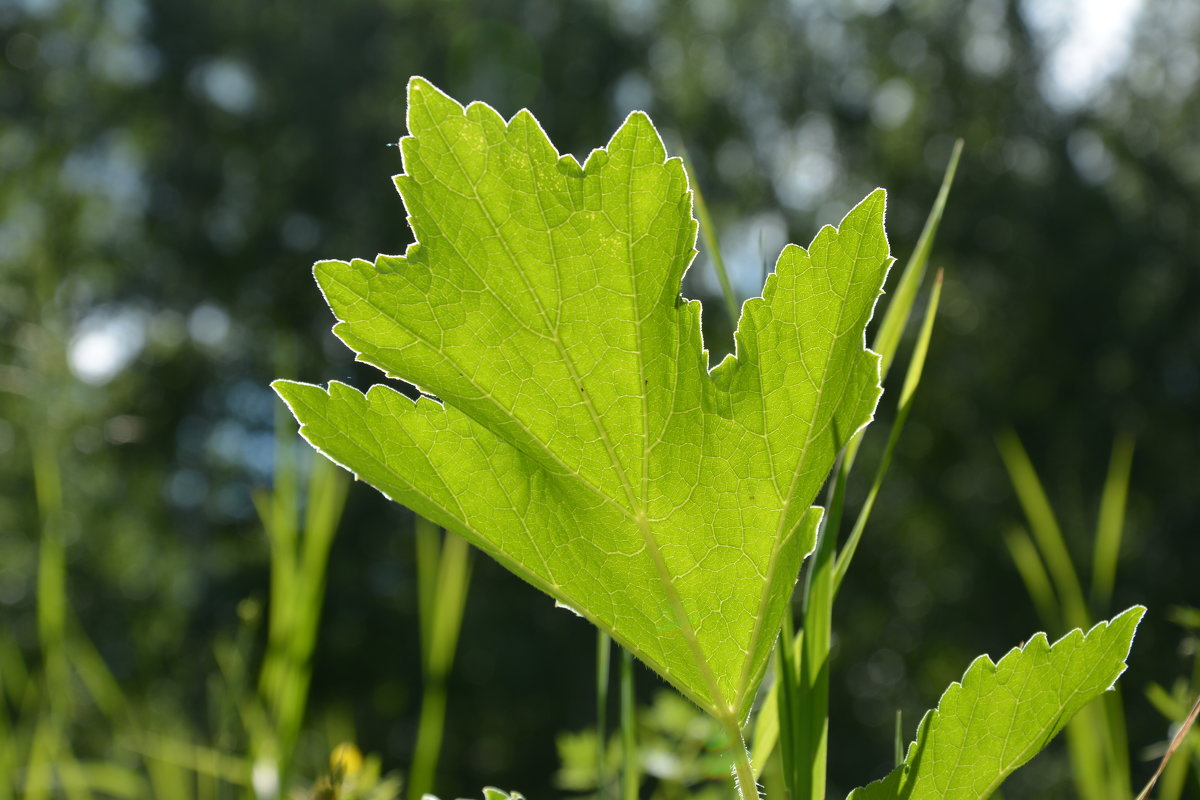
984 663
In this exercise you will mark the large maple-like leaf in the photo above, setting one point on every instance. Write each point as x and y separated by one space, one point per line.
577 434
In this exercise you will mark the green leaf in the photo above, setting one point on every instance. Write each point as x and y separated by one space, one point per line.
1002 714
576 434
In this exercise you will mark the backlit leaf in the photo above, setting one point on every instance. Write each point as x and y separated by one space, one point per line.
1002 714
571 427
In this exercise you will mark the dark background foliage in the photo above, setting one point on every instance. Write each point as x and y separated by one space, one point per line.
170 170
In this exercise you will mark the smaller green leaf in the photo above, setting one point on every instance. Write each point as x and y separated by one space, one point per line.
1002 714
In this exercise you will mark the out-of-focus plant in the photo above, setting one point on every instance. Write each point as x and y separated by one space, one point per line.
680 752
1096 739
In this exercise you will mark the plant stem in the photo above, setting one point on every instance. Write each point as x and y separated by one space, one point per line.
743 770
442 597
603 649
629 776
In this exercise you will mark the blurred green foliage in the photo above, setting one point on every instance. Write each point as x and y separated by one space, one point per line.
171 169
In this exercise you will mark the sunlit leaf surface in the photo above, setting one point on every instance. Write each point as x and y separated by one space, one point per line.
572 428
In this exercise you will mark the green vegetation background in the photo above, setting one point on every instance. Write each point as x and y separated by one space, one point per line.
170 170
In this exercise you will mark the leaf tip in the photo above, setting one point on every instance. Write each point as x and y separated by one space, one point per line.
425 100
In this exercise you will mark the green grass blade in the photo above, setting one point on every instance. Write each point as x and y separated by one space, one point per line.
1046 531
195 759
1112 712
898 740
766 726
895 317
904 295
912 379
812 721
603 660
108 778
1033 574
326 499
428 544
787 704
443 621
709 232
430 731
51 570
93 673
631 772
454 578
1111 523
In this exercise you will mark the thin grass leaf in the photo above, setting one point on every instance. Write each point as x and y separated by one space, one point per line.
51 571
811 712
109 779
902 298
1046 531
899 308
196 759
766 726
898 739
603 662
428 549
630 769
786 713
1185 617
1111 522
912 379
1033 574
446 592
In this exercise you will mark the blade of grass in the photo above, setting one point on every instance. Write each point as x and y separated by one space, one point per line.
1111 523
904 295
39 769
444 622
109 779
912 379
1033 574
299 562
787 708
898 740
709 233
630 771
52 570
1111 710
603 659
766 726
93 673
428 544
1096 739
194 758
895 317
326 499
812 722
1046 532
